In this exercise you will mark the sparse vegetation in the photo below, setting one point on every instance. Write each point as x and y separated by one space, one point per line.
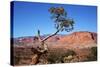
23 56
43 55
59 55
93 54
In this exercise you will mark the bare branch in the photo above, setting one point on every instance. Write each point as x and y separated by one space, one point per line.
51 35
39 37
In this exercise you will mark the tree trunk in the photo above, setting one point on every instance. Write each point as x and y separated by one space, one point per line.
42 49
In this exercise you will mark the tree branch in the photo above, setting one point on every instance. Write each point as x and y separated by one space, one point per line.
51 35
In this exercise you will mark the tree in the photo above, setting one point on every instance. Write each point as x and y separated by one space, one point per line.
61 22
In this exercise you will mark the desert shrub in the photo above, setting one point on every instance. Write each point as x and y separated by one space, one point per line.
54 56
58 56
68 55
94 51
93 55
70 52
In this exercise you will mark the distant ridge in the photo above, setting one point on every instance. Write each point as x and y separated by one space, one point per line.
81 38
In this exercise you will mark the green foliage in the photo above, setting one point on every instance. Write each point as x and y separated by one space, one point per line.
62 23
94 51
93 55
57 11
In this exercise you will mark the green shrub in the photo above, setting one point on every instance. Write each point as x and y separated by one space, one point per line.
93 55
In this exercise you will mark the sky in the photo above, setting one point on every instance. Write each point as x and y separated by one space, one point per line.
28 17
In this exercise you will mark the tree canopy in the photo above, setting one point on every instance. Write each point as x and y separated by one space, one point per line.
62 22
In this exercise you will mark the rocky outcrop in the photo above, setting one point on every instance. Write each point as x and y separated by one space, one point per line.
80 38
76 39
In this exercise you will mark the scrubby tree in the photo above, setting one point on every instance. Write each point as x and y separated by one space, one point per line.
61 23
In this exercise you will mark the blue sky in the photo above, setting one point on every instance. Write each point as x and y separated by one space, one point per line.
28 17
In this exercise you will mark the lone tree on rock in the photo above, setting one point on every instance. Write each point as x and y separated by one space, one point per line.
61 23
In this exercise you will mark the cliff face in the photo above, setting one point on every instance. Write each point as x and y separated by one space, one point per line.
80 38
75 39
